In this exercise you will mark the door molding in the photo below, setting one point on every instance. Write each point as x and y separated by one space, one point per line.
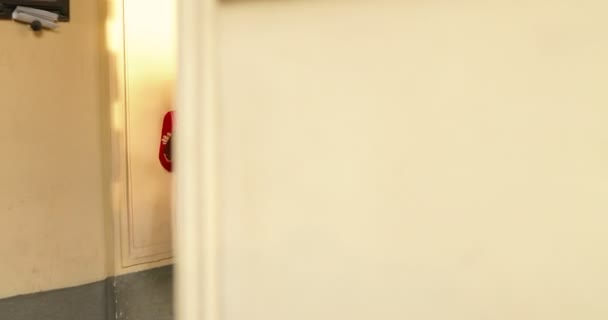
129 249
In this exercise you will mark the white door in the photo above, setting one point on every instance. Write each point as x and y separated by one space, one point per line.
398 160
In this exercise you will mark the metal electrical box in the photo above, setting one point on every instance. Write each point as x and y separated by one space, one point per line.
60 7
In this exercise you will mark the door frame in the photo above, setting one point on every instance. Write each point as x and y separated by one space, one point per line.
195 232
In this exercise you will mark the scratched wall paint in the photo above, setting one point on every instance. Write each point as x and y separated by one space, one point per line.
51 206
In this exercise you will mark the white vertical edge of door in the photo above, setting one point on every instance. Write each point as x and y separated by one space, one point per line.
196 212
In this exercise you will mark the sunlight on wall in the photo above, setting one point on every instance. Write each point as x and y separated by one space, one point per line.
150 38
140 39
115 46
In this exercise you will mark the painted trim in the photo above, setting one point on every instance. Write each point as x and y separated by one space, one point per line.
196 221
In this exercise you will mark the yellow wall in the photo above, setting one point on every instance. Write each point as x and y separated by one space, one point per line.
51 194
414 159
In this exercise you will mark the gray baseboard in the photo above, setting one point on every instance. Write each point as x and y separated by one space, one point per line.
146 295
87 302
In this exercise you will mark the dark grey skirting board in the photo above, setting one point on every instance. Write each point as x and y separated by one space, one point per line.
145 295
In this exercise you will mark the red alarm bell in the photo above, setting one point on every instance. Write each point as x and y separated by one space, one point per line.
164 152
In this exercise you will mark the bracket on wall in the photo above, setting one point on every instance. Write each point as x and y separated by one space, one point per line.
60 7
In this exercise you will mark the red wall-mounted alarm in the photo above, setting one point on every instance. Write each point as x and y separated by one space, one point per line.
164 152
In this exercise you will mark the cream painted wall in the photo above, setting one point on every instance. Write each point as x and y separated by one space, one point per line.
414 159
69 214
51 193
144 52
150 72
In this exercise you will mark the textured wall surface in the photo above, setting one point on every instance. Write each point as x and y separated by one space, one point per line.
52 230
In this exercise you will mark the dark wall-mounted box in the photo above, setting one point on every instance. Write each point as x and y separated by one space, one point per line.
60 7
